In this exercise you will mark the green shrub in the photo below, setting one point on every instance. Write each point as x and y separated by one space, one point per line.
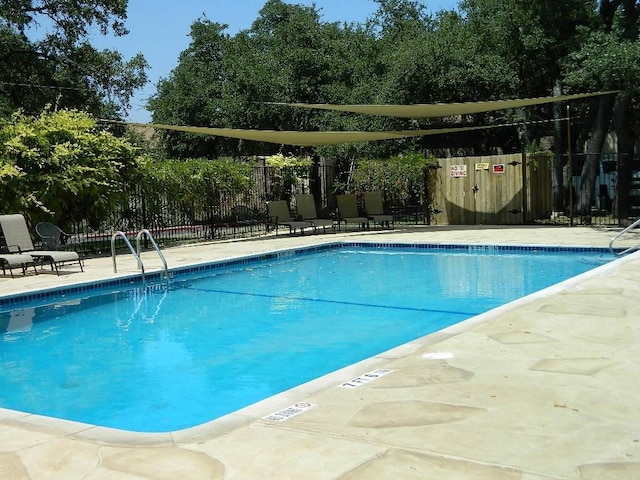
402 179
60 167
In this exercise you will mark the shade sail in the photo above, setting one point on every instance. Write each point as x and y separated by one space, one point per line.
443 109
306 139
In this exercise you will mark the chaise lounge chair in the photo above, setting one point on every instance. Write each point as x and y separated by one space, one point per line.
12 260
280 216
348 211
18 239
375 210
306 207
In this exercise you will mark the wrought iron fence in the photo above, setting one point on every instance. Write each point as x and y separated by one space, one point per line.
231 214
222 215
213 216
609 195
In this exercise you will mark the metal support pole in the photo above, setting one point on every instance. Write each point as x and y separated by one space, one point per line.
570 165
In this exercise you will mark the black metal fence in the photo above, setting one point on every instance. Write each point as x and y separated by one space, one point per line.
231 214
221 215
610 195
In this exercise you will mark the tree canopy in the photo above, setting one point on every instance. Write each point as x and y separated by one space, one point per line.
46 58
483 50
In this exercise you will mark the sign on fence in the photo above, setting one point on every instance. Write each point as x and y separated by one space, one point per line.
458 170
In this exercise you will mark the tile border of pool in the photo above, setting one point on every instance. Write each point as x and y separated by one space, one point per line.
155 276
256 411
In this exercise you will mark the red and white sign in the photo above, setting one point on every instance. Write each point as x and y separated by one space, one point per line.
458 170
498 168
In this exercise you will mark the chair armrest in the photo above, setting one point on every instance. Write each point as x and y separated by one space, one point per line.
8 248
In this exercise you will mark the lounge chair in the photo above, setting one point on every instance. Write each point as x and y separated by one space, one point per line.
280 216
12 260
18 240
51 235
348 211
375 210
306 207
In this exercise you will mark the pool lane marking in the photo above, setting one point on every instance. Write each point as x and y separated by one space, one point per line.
339 302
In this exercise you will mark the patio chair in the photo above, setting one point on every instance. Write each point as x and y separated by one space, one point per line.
12 260
306 208
18 240
279 215
242 219
51 236
375 210
348 211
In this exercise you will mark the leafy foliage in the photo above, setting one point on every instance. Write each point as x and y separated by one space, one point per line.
488 50
61 67
193 188
59 166
402 179
286 173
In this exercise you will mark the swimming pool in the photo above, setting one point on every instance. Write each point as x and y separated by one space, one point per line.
217 338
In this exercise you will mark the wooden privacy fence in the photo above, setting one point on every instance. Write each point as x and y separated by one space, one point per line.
491 190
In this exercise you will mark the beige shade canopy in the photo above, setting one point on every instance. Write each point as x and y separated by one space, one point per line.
307 139
314 139
442 109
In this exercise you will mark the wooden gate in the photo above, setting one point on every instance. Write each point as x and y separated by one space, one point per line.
492 190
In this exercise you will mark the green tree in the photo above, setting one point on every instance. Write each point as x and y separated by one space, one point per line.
61 67
287 55
607 59
532 37
194 94
60 167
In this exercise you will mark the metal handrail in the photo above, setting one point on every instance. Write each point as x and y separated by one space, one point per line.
133 252
618 235
146 232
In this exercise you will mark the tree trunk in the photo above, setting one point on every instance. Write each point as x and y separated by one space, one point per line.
557 179
592 158
626 140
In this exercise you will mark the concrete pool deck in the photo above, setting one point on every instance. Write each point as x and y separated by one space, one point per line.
543 388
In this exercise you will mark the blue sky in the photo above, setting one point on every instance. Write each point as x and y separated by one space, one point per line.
160 30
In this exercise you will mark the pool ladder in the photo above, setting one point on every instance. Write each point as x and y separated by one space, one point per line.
136 253
619 234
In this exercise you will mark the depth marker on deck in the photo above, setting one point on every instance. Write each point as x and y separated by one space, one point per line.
366 378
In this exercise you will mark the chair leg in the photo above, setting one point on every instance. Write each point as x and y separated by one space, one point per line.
4 272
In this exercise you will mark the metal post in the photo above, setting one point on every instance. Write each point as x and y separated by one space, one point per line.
570 165
525 190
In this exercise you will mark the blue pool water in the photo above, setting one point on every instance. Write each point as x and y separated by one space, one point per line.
170 356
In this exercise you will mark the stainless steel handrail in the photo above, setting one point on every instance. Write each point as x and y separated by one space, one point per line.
618 235
133 252
146 232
